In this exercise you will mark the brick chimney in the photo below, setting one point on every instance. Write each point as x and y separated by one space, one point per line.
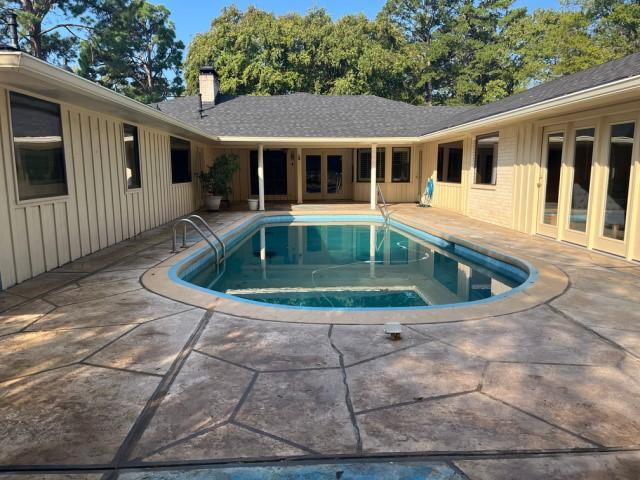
209 84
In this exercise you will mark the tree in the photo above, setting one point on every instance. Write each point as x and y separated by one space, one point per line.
133 50
550 43
41 24
427 24
480 66
256 52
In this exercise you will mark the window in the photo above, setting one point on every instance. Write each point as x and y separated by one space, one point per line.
180 161
132 156
486 158
364 165
620 159
450 162
275 172
401 165
39 151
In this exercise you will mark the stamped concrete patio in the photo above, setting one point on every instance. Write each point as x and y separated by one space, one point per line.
97 373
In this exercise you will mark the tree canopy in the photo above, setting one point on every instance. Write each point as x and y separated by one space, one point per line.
127 45
131 49
448 52
420 51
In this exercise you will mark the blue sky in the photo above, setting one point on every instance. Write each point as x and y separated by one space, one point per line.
194 16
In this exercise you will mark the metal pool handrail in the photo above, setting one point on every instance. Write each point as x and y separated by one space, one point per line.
208 227
384 210
186 222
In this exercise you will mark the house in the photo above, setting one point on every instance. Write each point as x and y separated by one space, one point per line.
84 167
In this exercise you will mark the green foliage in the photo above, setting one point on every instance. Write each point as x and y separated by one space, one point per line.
258 53
51 29
217 180
420 51
132 49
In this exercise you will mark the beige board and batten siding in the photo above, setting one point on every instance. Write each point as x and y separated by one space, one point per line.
99 211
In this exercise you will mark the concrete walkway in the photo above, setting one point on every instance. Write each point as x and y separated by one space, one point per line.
97 372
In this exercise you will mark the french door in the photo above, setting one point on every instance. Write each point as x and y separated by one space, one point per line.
576 206
325 175
590 184
553 152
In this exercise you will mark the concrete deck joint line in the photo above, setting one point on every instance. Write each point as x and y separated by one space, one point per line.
584 439
142 422
347 393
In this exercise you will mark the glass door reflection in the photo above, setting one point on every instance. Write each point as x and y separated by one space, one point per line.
313 164
334 174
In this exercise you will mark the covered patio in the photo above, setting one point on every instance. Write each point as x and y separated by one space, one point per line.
99 374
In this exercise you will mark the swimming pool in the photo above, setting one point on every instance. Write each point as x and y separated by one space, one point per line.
350 265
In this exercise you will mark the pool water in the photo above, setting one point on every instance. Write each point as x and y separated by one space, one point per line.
349 266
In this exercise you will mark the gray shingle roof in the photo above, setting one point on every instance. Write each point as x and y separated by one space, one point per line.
625 67
366 116
306 115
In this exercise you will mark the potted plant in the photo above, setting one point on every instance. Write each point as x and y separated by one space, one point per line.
216 182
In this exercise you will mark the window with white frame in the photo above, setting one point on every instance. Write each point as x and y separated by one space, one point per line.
364 165
487 158
132 156
401 165
38 146
450 162
180 160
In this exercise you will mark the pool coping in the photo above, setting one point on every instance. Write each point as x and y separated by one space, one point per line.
545 283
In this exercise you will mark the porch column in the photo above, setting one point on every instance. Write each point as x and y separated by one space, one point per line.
299 172
261 176
374 197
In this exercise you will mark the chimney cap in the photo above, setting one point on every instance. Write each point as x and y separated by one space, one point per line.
208 69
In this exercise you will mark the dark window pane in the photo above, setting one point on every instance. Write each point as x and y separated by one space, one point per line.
314 173
486 158
455 165
364 165
401 165
450 162
334 174
440 171
132 157
581 179
275 172
620 154
180 160
555 141
39 150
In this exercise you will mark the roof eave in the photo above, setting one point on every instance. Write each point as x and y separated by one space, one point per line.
57 80
589 98
316 141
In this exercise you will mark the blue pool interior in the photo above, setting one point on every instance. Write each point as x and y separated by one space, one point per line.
359 265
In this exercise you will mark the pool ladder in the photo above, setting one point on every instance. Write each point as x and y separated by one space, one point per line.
384 209
189 221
